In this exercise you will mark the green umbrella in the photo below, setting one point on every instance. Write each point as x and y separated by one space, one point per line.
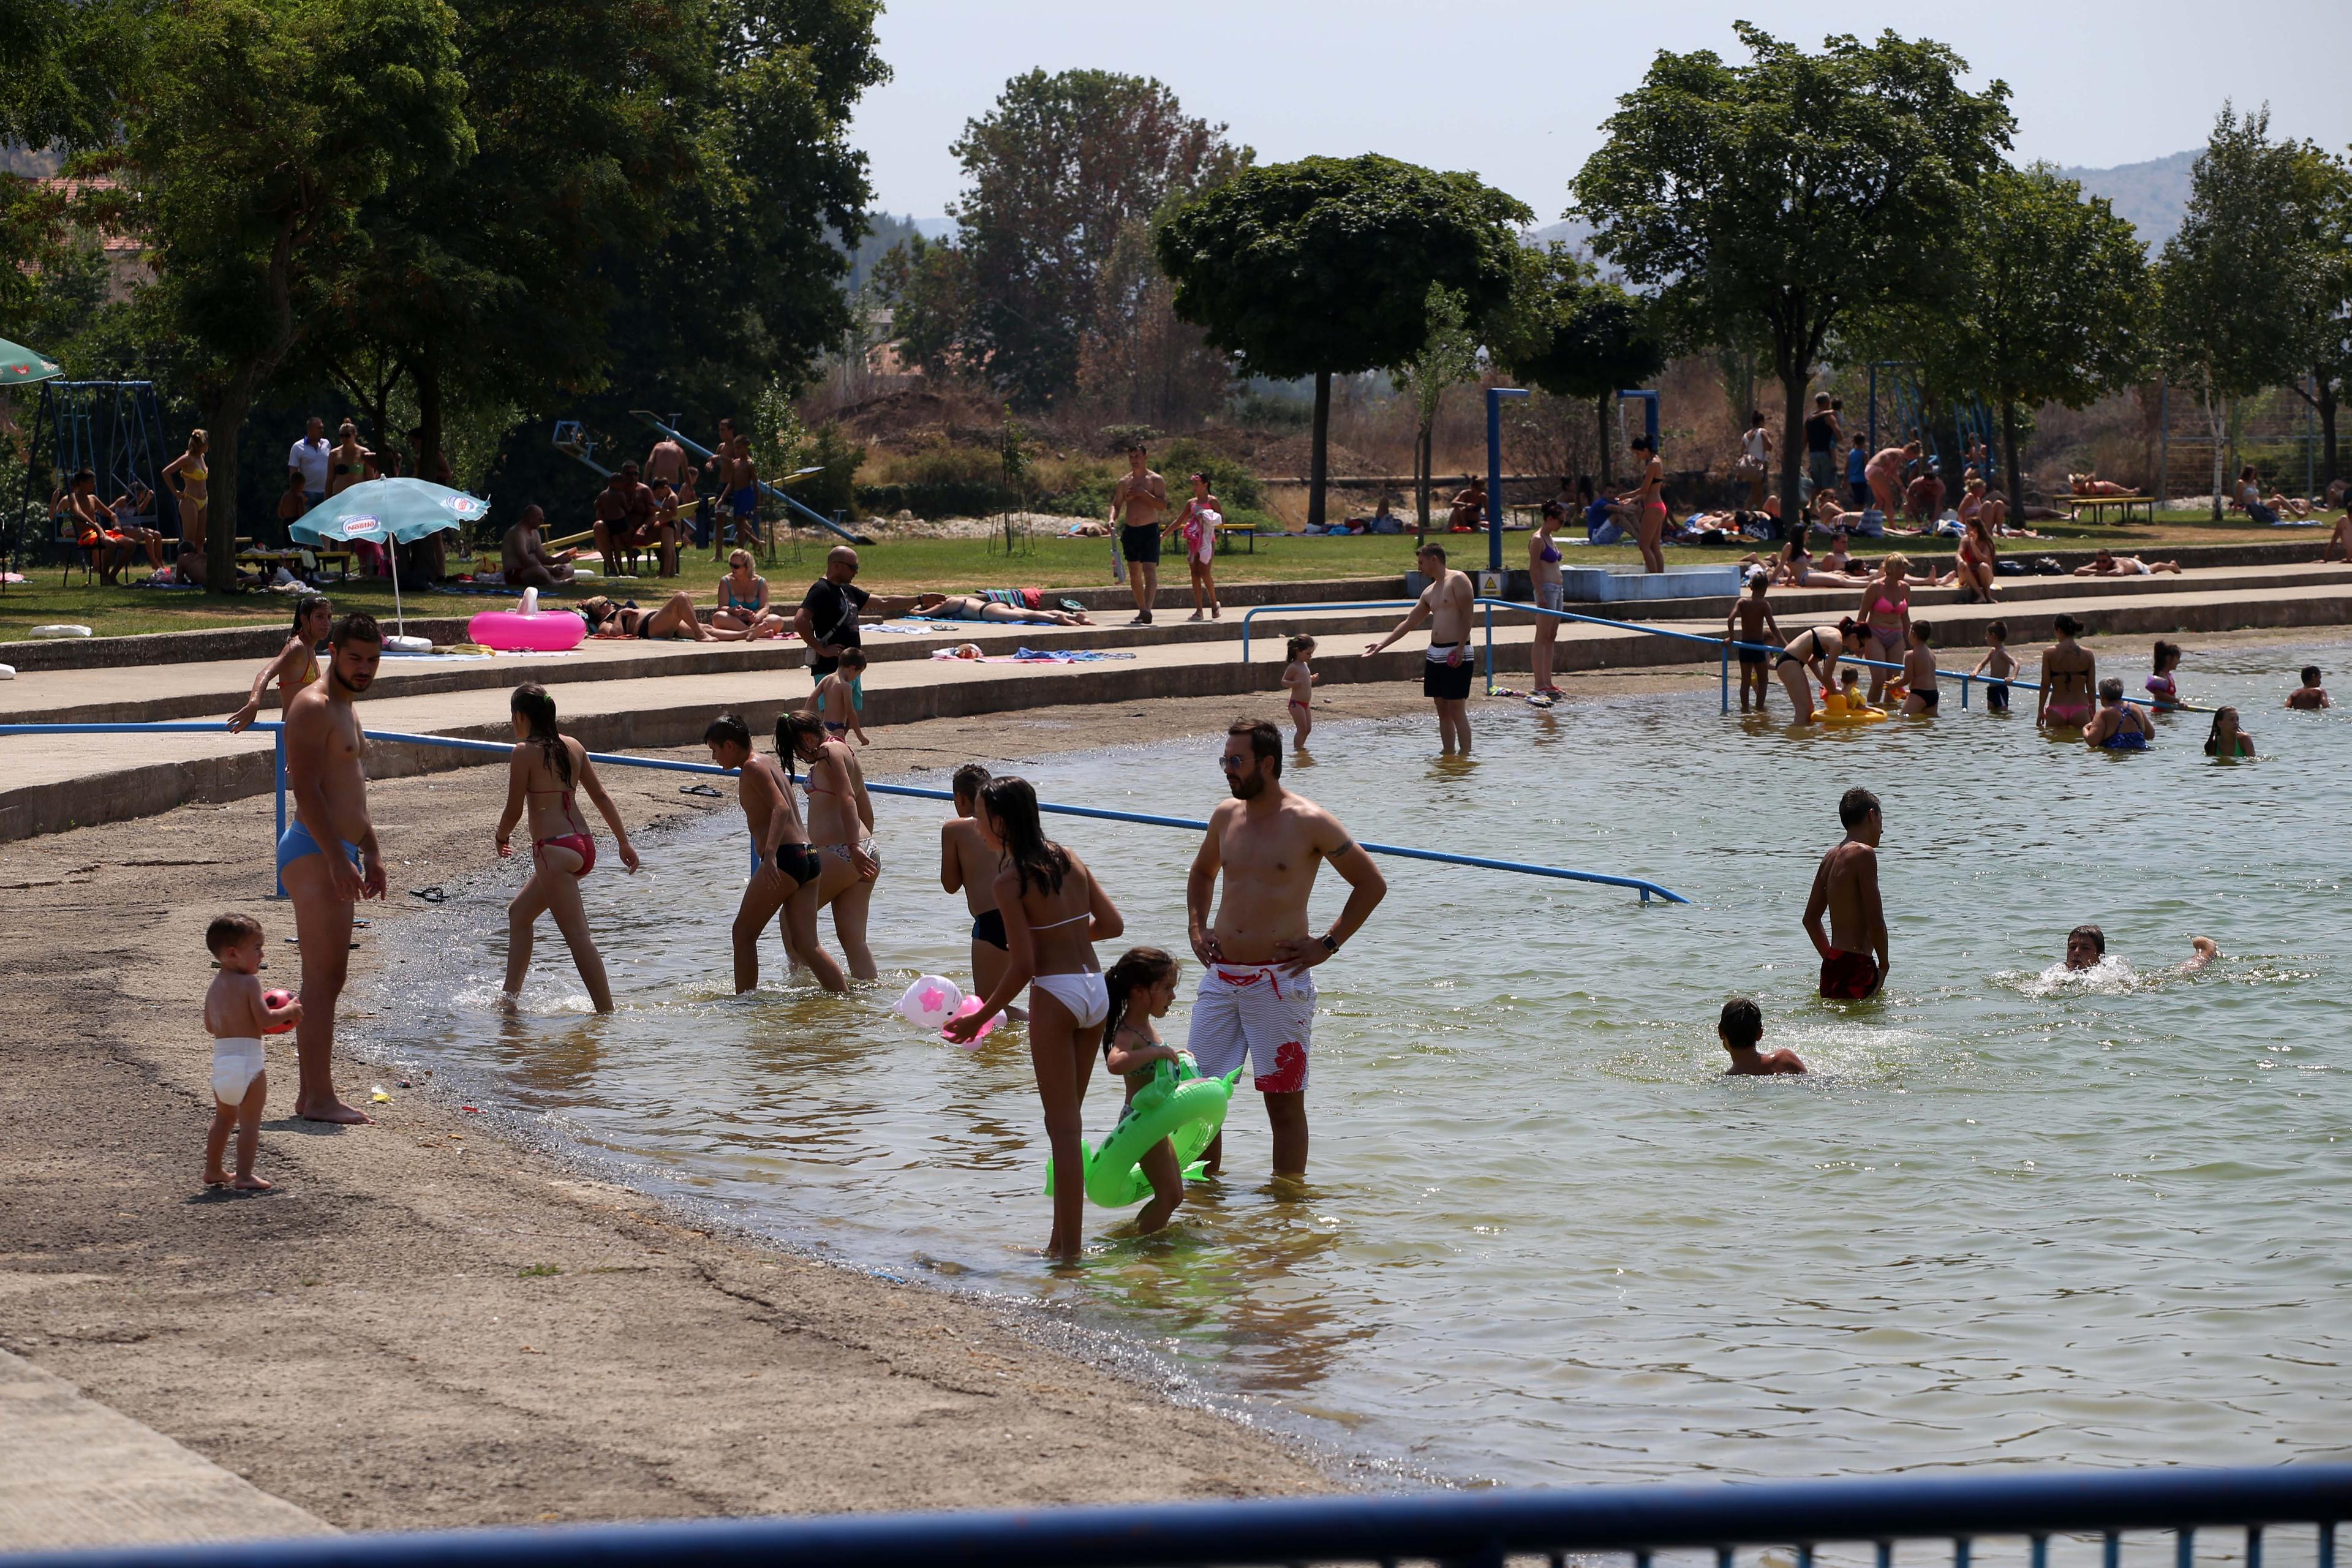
19 366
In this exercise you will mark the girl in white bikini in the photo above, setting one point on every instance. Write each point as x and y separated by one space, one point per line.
1054 911
841 826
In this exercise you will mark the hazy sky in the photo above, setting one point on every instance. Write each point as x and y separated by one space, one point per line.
1515 89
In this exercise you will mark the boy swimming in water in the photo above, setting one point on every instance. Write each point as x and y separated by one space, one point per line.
2310 695
837 700
1921 696
236 1016
1997 665
1300 682
1750 624
1741 1026
2086 948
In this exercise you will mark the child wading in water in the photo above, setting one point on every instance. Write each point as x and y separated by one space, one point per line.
2000 665
837 700
2225 740
1741 1026
236 1017
545 769
1919 672
1300 682
2164 692
1750 624
2310 694
1143 986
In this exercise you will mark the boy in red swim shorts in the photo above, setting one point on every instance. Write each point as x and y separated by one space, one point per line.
1853 952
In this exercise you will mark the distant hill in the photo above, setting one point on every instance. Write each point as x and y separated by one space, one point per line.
2150 195
890 231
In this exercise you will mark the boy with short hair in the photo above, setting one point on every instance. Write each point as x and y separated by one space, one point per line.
1997 665
2310 695
837 700
1750 624
1920 695
1741 1026
236 1015
968 857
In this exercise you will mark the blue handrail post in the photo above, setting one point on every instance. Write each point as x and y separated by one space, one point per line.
1726 681
1490 647
1495 395
279 736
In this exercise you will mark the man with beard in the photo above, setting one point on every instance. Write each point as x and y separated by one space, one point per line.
328 860
1257 1001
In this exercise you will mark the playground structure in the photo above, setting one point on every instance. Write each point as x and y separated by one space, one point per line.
115 429
1896 391
573 439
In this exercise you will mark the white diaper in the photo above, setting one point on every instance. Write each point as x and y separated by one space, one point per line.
236 1064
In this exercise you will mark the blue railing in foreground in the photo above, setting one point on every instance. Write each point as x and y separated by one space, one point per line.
1481 1528
621 759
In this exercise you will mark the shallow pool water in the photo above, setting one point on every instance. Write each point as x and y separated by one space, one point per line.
2009 1218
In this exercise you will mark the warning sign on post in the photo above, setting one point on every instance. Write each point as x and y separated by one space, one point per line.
1490 584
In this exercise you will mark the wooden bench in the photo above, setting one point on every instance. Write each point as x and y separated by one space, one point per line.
2098 505
1238 531
265 561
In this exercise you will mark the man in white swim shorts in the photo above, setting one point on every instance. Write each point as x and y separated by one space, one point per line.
1257 1002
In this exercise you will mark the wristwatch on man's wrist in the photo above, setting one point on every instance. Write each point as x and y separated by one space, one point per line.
1331 942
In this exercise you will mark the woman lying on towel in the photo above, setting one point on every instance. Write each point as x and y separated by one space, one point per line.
1026 605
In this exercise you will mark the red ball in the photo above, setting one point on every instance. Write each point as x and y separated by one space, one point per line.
276 999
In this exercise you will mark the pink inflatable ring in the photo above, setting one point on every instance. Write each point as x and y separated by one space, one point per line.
528 629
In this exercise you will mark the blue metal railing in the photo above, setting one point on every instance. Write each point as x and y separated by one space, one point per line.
615 759
1455 1527
1725 645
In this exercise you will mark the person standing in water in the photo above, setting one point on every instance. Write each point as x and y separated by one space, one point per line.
784 868
969 858
1748 624
2070 673
1846 888
1446 673
1256 1000
328 860
1545 578
1054 912
547 768
841 826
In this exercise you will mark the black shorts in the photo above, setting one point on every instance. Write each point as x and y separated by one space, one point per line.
1752 656
799 862
1928 700
1140 544
1997 696
989 928
1447 682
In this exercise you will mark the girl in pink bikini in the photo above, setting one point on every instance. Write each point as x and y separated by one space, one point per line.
1886 612
544 772
2070 673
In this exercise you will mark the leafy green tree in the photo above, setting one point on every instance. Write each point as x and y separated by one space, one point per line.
1777 198
1581 337
1057 170
928 287
2053 305
1448 357
255 130
2324 206
1325 266
2236 277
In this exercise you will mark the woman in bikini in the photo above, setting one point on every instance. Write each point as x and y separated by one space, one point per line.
193 486
1054 911
1977 557
348 464
1814 652
1885 477
2069 675
545 770
674 618
744 609
297 664
1544 574
1196 528
841 826
1649 500
1885 611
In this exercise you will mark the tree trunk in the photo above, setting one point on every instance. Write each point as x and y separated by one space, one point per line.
225 416
2216 421
1794 377
2326 402
2009 462
1601 413
1421 462
1317 466
428 376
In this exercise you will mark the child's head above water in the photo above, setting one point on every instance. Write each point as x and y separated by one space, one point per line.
1741 1026
2168 655
966 787
2086 946
2311 674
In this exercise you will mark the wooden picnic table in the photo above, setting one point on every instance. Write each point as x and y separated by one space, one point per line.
2099 504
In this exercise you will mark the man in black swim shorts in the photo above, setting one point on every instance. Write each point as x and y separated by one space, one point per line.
1138 508
1449 667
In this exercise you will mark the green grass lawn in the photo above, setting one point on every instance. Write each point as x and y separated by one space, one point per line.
954 565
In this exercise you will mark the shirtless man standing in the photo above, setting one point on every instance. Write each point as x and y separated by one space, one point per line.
742 487
1256 1000
1853 953
1446 604
328 859
2070 673
666 461
1138 508
969 858
784 869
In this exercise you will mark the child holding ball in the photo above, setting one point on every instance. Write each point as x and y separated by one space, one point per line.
236 1015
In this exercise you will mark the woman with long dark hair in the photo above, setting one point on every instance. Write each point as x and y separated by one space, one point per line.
545 770
1054 911
297 664
841 826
